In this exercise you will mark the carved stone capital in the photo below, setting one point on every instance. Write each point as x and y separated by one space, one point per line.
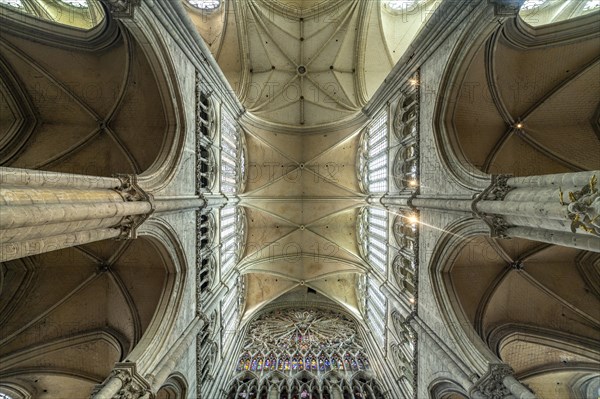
498 189
506 8
129 188
491 385
129 225
133 385
122 8
498 226
130 191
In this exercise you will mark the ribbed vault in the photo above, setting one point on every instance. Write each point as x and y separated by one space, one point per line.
46 344
514 292
302 200
307 63
300 68
79 120
512 116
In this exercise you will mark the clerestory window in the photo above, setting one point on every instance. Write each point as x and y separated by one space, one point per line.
376 306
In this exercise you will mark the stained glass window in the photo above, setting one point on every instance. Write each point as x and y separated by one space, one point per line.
303 340
318 350
205 4
15 4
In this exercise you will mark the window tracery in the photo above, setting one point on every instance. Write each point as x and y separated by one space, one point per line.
404 265
401 6
373 156
14 4
302 340
542 12
406 130
229 315
303 353
206 352
376 311
76 3
232 156
233 231
405 351
205 5
373 237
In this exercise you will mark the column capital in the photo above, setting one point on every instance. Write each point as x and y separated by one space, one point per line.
506 8
122 8
132 384
130 191
498 188
491 385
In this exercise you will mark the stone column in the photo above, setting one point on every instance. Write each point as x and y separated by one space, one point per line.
559 209
169 362
498 382
44 211
428 339
124 382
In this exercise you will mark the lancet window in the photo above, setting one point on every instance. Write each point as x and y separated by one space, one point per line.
233 227
232 156
376 311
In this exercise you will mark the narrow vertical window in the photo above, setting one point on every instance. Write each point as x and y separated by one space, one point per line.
376 311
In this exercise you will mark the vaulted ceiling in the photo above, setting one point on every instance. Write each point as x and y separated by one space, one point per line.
536 305
300 68
512 116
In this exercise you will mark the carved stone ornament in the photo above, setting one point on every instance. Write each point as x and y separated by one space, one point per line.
130 191
506 8
491 385
584 208
499 188
122 8
498 226
133 385
129 188
129 225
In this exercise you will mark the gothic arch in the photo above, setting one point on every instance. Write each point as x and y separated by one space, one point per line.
519 301
496 124
61 25
442 388
449 152
175 387
168 309
84 115
474 352
47 343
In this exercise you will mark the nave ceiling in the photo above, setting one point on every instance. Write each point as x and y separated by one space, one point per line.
300 68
